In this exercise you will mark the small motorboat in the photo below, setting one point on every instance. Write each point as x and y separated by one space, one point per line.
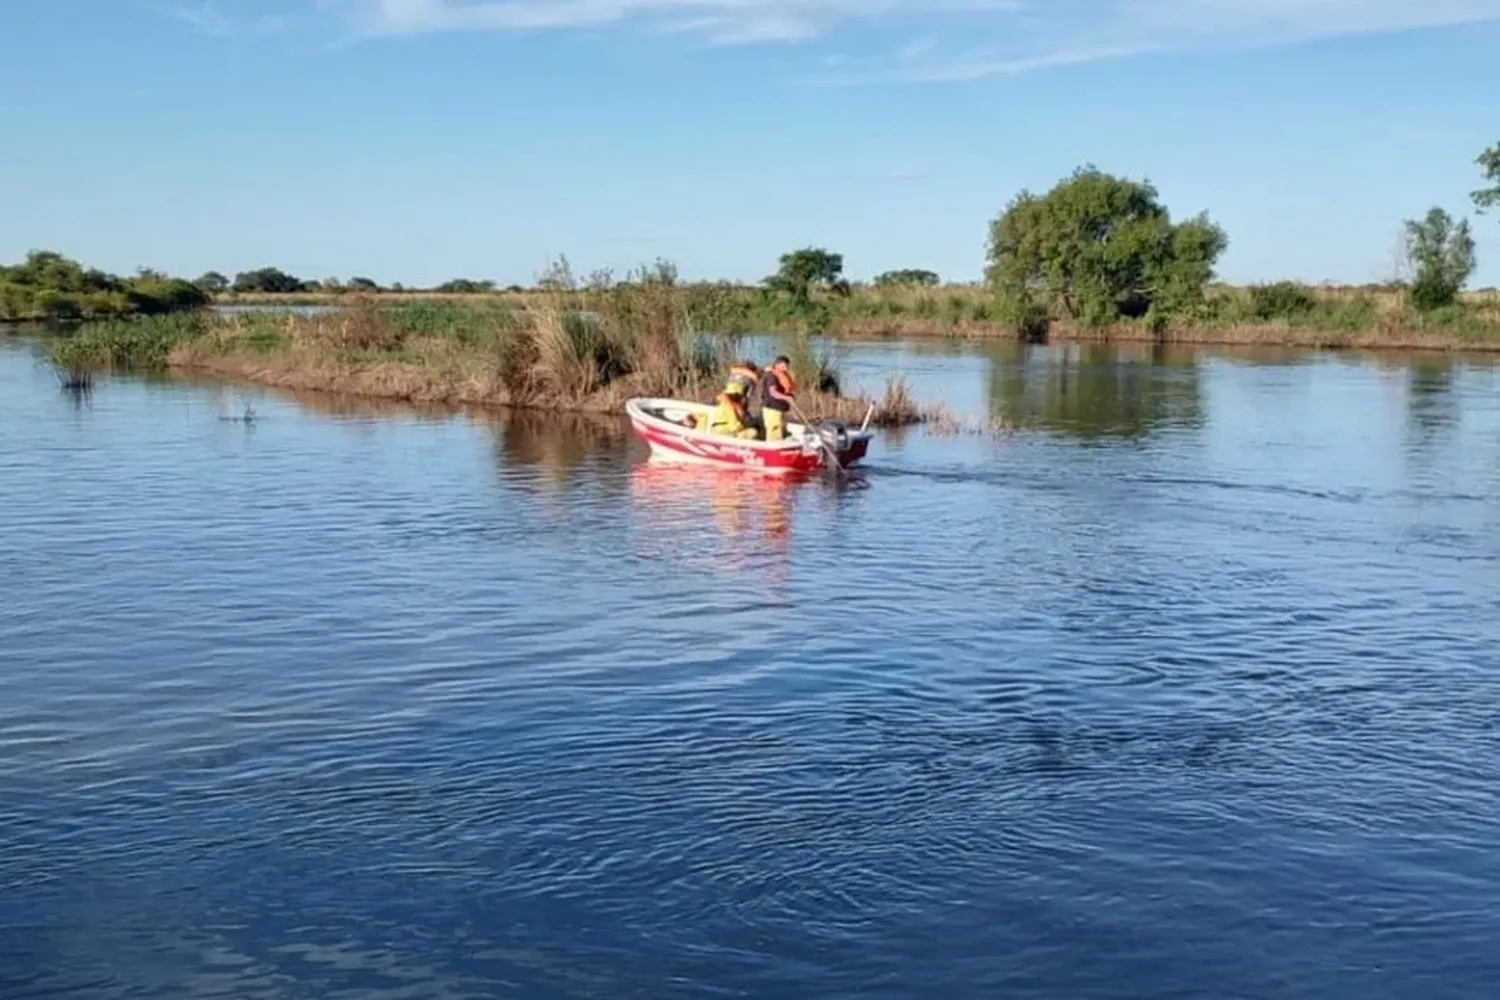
676 431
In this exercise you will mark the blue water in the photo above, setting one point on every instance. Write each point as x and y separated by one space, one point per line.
1188 686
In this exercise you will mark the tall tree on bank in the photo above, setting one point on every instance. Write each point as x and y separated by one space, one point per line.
1442 257
802 270
1489 164
213 283
1097 248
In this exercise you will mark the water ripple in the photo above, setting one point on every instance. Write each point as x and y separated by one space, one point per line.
398 706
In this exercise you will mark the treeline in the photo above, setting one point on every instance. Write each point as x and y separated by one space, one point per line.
814 262
274 281
1095 252
50 286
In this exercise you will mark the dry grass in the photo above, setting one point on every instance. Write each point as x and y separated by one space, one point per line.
551 355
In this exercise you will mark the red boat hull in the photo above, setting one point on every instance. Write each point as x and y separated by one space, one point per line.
671 442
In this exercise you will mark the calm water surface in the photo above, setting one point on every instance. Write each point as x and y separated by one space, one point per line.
1189 687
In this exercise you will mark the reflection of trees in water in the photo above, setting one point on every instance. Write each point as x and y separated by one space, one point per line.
558 444
1431 406
349 407
1096 390
1442 392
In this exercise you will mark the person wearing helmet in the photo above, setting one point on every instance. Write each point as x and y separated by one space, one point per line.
731 414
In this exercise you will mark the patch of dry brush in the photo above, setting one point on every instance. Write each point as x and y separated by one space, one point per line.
570 350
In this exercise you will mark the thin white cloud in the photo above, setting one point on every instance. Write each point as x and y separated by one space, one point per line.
1074 32
1300 20
209 19
922 40
952 70
771 28
719 21
917 48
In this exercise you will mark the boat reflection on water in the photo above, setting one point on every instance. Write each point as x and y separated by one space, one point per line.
750 514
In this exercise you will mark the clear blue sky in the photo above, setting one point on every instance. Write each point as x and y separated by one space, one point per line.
418 140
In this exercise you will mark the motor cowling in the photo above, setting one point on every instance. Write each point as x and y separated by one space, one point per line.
836 435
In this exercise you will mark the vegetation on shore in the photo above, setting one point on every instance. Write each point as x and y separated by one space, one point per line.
1290 313
48 285
1095 257
584 348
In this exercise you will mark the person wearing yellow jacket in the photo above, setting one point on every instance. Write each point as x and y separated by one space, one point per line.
731 413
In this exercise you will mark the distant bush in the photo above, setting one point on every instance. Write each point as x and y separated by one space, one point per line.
137 343
1352 313
1281 300
152 293
48 285
906 276
463 286
268 280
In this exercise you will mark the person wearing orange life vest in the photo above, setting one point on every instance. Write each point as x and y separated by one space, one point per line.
731 413
776 392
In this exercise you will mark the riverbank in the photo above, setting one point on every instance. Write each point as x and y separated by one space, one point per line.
1284 315
550 356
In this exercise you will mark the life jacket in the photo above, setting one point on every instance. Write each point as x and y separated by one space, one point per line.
741 381
781 380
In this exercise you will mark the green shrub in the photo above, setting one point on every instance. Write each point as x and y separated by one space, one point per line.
1282 300
1353 314
138 343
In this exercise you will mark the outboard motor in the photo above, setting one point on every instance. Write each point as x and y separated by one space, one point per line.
835 434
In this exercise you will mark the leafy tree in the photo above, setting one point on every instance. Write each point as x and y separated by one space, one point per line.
152 292
1489 163
808 268
213 283
49 285
268 280
906 276
362 285
1442 257
1096 248
464 286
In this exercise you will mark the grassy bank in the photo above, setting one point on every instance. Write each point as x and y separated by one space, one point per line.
1287 314
561 351
1284 314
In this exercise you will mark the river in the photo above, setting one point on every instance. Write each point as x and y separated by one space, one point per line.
1187 686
